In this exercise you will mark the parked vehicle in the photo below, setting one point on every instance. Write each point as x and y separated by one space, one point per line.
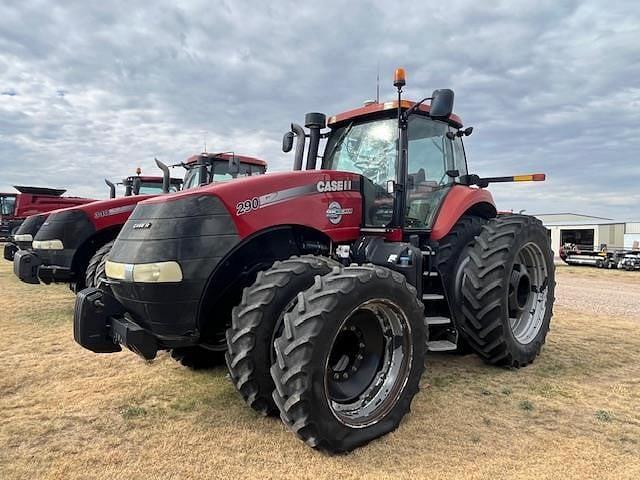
327 286
16 207
72 244
573 254
22 238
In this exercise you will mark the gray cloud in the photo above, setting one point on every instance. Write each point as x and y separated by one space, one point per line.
94 91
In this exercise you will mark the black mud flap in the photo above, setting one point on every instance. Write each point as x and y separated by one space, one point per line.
25 266
9 251
100 325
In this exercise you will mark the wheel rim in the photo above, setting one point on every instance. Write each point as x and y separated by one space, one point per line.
527 294
368 363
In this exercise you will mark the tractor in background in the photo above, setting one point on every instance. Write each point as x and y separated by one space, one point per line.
328 285
22 237
15 208
71 245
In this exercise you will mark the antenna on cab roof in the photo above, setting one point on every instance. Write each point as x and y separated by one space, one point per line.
378 84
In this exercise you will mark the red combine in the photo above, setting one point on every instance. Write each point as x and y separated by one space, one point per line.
71 244
326 287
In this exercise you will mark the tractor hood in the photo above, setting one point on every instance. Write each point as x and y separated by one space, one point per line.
100 214
182 238
325 200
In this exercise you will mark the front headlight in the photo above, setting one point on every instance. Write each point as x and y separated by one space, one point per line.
157 272
48 245
23 237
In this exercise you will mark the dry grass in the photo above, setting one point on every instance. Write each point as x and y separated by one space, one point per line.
68 413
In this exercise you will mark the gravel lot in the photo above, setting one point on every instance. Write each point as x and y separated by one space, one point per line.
599 292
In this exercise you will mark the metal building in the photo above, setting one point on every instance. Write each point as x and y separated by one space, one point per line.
632 235
588 232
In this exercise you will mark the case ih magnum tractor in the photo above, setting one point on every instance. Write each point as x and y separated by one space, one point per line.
72 244
22 239
330 285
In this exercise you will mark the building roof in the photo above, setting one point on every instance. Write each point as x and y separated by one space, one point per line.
572 217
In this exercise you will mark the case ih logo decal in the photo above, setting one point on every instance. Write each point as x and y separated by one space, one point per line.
335 212
114 211
334 185
141 226
255 203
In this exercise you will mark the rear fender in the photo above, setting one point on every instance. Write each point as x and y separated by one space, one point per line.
459 201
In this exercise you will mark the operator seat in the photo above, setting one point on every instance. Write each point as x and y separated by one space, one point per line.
418 199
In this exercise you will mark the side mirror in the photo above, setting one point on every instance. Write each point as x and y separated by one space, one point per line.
137 183
234 166
453 173
287 142
441 103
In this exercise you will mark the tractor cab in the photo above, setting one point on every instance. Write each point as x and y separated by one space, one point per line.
144 185
207 168
7 204
365 141
409 155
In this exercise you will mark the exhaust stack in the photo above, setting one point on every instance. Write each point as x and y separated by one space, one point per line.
166 178
314 122
301 139
112 188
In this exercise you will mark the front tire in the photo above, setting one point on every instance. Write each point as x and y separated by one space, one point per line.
508 291
350 358
95 273
256 321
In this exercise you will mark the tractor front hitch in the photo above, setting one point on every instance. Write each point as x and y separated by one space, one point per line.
100 324
26 265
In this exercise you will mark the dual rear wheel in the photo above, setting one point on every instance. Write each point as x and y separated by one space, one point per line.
339 351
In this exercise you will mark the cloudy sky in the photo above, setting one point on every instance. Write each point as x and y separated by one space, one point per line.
92 91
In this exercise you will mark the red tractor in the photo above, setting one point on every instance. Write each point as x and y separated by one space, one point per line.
71 245
326 287
22 237
16 207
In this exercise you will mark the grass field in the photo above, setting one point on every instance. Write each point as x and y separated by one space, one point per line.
68 413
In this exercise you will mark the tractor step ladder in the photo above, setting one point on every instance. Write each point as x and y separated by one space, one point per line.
437 320
441 346
432 296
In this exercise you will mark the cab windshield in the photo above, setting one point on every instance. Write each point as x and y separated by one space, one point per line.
371 150
218 171
7 204
155 188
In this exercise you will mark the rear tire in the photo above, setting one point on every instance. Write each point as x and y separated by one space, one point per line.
508 290
255 321
198 358
95 270
350 358
451 249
